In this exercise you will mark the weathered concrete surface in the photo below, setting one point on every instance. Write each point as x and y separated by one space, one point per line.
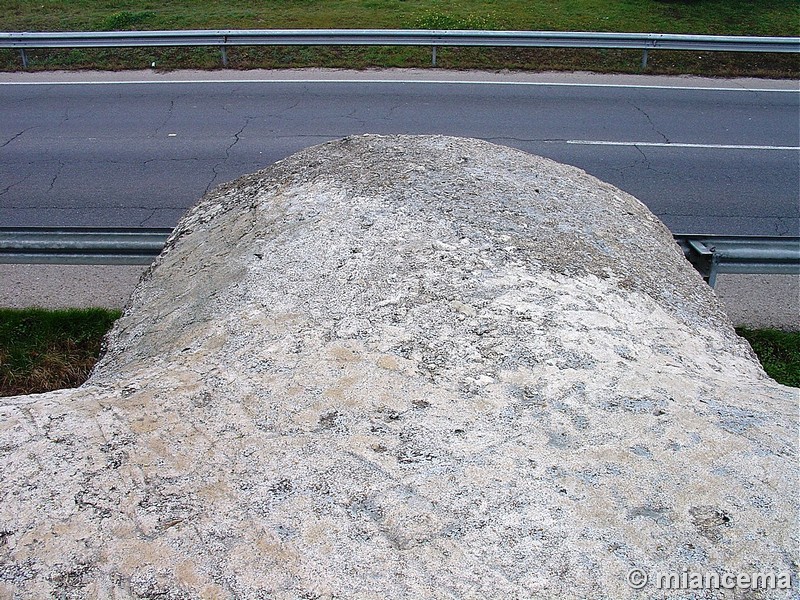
398 367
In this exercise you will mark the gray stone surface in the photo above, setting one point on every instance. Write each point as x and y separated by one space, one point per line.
406 367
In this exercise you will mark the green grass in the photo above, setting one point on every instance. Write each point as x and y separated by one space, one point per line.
728 17
731 17
43 350
778 351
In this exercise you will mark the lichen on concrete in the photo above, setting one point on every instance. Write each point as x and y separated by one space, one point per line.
406 367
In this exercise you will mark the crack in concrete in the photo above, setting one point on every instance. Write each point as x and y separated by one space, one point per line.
646 162
236 138
15 137
293 106
169 114
649 120
61 166
351 116
148 217
278 112
782 228
5 190
644 158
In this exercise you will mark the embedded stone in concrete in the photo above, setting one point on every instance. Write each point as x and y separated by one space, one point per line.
406 367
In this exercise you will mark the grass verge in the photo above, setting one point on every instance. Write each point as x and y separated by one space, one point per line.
720 17
42 350
778 351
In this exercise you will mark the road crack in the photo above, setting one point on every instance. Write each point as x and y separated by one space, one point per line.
646 162
169 114
236 138
649 120
352 116
5 190
644 158
148 217
15 137
61 166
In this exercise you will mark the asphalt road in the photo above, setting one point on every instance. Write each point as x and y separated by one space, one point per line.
137 149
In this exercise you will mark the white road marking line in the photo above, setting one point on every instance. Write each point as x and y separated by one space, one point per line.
680 145
407 81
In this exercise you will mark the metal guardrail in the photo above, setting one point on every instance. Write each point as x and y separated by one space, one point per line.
81 245
712 255
709 254
394 37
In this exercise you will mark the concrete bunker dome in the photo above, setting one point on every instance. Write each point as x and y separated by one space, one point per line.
405 366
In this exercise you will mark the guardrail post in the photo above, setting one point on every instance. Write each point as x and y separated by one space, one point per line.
433 55
644 59
712 276
223 50
24 58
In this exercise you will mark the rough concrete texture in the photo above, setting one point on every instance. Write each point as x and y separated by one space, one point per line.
406 367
